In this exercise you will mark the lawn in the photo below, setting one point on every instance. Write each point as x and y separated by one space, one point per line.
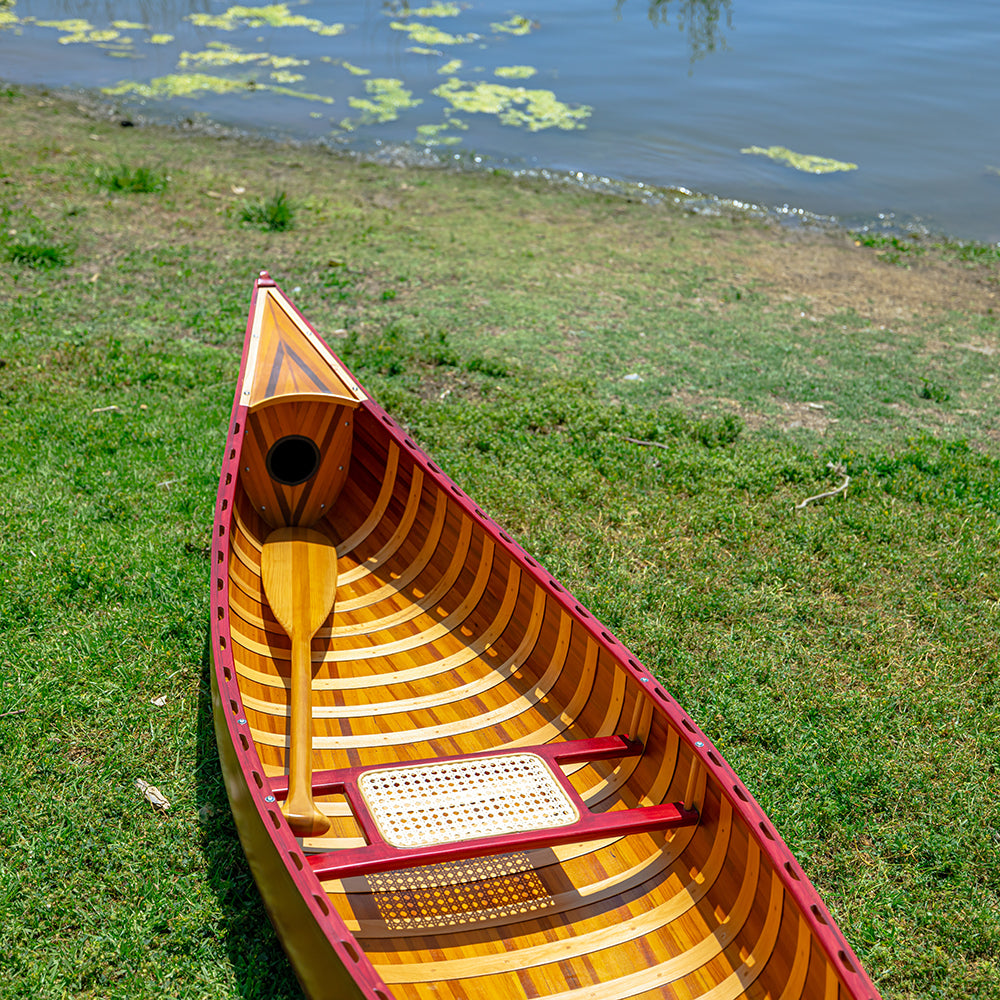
843 654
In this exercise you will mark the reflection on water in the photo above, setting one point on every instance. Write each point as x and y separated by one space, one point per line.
844 108
105 12
700 20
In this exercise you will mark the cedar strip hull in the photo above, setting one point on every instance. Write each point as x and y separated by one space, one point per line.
447 639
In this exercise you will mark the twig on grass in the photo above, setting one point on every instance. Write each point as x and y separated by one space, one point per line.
645 444
14 711
838 470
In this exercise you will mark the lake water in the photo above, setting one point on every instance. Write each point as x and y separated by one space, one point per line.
670 94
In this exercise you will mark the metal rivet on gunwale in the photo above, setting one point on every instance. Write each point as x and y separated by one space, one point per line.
268 798
242 722
698 743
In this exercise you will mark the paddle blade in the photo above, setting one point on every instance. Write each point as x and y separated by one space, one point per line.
299 572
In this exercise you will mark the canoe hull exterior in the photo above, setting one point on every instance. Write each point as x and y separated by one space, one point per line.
447 639
318 963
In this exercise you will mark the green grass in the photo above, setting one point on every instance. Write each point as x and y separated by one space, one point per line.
844 657
274 214
33 246
123 178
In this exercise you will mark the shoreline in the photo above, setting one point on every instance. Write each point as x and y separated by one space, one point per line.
881 226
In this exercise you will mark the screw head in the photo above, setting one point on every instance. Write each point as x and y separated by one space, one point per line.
699 743
242 722
268 798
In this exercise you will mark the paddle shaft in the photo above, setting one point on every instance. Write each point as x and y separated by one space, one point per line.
299 571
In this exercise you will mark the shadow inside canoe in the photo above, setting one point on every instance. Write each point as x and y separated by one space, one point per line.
259 966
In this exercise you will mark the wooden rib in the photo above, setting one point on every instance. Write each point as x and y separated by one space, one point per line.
650 870
378 510
414 569
433 596
832 983
695 957
465 655
550 730
609 936
484 721
439 629
390 677
495 676
397 616
396 539
800 966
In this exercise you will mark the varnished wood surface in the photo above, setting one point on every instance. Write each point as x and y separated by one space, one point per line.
444 641
299 576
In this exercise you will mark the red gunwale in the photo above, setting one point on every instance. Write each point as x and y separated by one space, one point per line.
263 791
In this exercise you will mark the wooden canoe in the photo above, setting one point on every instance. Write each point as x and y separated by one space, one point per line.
515 805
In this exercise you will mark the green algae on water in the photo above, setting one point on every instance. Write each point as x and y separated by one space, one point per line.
801 161
531 109
450 68
80 31
434 10
515 72
434 135
354 70
189 84
427 34
223 54
386 98
516 25
272 16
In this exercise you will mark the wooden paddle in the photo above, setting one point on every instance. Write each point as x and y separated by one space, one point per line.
299 572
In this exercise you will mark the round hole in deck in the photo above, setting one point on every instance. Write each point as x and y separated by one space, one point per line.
292 460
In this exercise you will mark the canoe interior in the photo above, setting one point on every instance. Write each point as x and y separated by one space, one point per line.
446 639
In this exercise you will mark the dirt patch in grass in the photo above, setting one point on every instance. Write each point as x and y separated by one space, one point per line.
832 273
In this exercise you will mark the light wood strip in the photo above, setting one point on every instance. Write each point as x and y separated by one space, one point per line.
396 539
610 725
651 869
495 676
412 608
433 596
436 631
464 655
736 983
700 954
385 495
485 721
439 629
832 983
413 569
800 966
404 675
609 936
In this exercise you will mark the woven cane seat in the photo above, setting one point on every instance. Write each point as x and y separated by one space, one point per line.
465 799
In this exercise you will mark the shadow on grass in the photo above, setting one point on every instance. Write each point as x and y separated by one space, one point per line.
260 968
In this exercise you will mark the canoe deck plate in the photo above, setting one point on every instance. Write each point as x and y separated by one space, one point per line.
465 799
